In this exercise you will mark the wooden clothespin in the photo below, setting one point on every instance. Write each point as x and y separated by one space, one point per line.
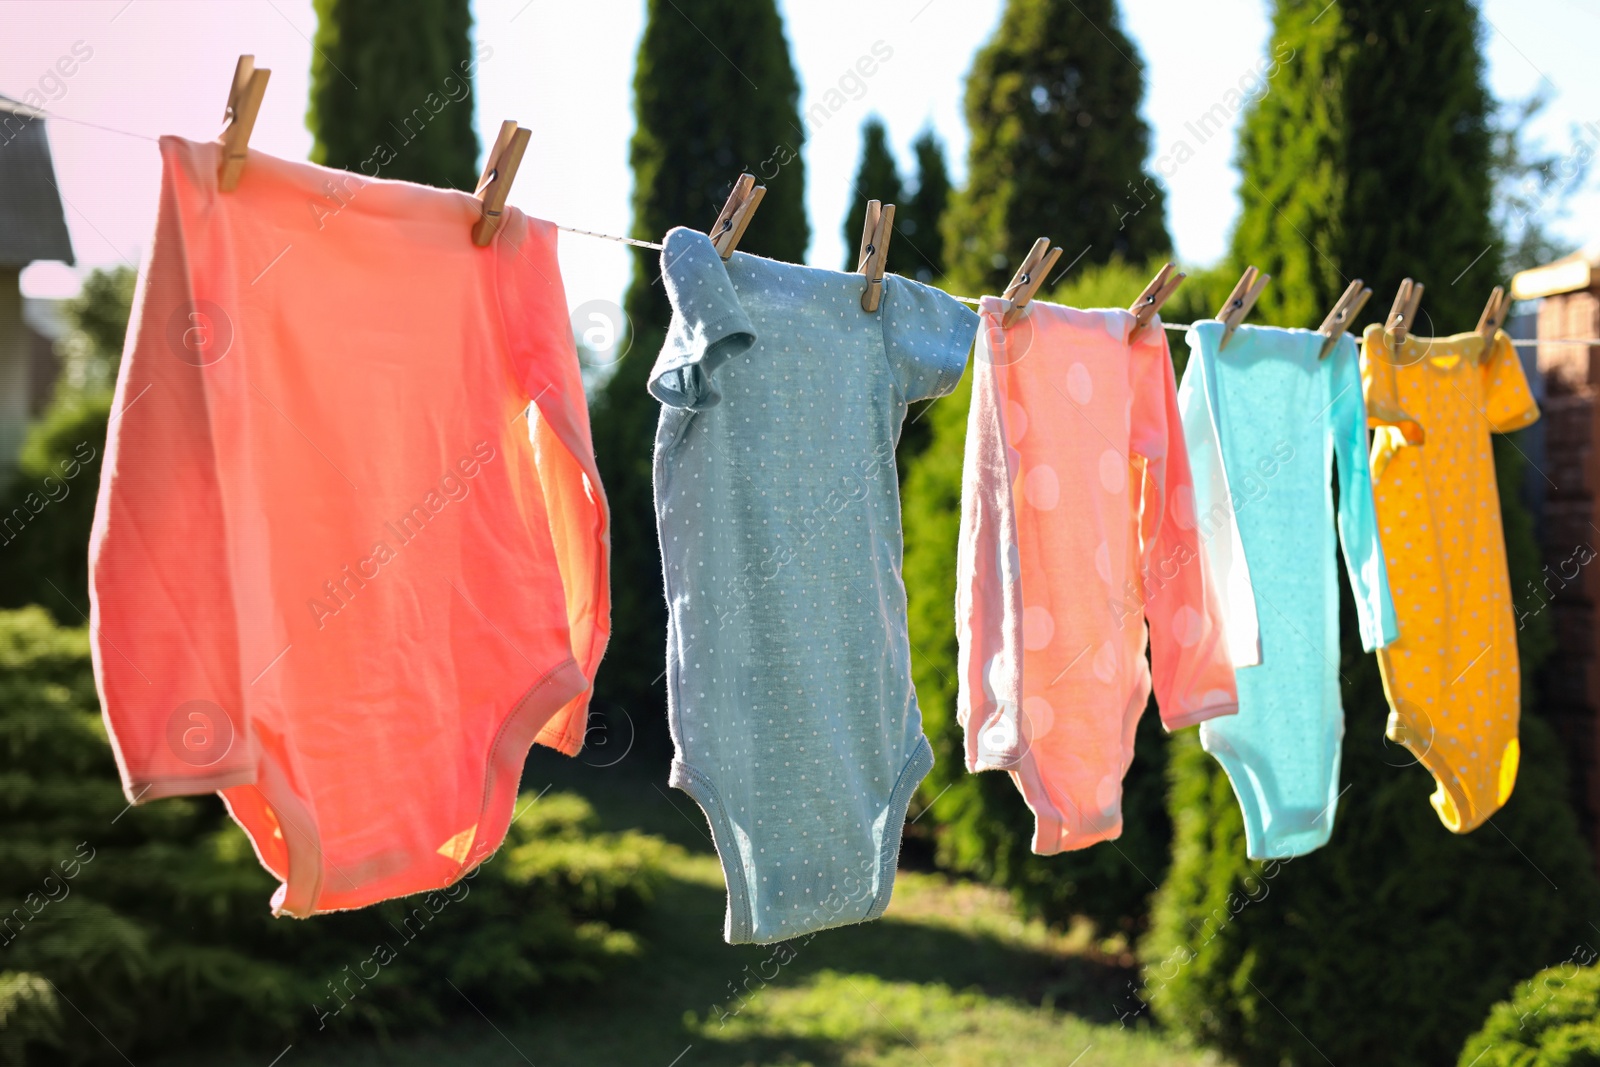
875 251
1025 283
1162 286
1345 309
736 214
494 185
1403 315
1240 301
244 104
1494 313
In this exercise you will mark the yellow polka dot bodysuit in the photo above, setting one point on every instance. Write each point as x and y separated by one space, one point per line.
1452 678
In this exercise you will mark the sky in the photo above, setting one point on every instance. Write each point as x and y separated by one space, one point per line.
565 71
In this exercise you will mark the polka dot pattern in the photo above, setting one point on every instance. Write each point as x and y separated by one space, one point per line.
1113 471
1091 436
788 668
1042 488
1039 716
1080 386
1187 626
1038 627
1016 421
1453 674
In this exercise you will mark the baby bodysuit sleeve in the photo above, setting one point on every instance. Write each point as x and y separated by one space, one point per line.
1508 403
1392 429
533 302
708 328
989 637
1358 520
927 334
1191 668
159 574
1201 416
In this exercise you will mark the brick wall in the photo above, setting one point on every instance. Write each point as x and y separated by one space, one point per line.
1570 528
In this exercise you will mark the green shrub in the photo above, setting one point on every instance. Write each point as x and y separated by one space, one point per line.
153 922
91 350
1385 946
48 507
1553 1020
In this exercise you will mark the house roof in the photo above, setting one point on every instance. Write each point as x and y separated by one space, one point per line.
32 225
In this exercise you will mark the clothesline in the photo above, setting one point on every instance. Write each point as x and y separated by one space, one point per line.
39 112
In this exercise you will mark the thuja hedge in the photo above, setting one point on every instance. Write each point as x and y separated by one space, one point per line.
1386 946
152 921
1553 1019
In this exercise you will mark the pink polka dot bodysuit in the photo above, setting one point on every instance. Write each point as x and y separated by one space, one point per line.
1078 537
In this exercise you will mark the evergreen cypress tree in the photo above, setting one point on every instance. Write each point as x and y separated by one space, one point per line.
1370 156
1058 147
920 255
702 119
921 252
1057 150
877 178
392 90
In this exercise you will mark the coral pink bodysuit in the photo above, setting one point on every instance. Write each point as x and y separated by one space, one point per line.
335 573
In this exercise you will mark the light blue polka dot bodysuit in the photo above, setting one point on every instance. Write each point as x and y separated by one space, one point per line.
788 666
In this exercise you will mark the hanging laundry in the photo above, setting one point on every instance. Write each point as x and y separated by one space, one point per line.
335 575
1263 418
788 665
1452 679
1078 524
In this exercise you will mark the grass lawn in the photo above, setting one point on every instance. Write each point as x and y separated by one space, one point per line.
950 976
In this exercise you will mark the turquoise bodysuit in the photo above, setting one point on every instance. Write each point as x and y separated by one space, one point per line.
1263 418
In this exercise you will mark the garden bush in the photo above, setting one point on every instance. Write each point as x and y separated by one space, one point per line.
48 507
1386 946
151 923
1553 1020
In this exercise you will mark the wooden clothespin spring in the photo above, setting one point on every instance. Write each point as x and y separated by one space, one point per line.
875 236
1403 314
1240 301
244 104
1494 313
1345 309
1032 272
735 216
499 171
1149 302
